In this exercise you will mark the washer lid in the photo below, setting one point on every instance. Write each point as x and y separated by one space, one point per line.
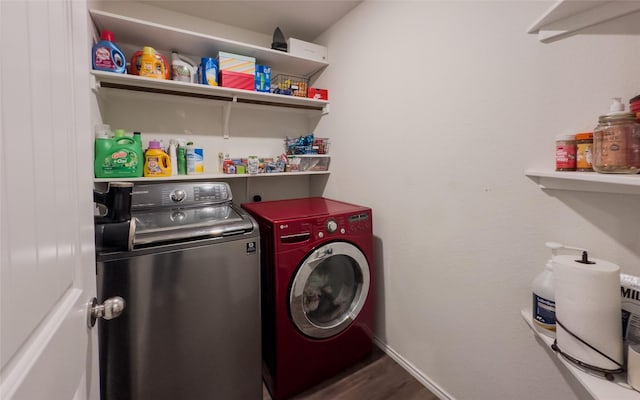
279 210
178 224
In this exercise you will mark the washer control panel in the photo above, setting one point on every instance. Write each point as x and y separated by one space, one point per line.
179 194
342 225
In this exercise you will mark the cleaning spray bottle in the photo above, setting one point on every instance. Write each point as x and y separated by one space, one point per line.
544 292
183 69
544 298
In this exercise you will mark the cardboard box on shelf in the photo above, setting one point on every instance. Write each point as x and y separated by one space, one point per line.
308 50
263 78
237 80
317 93
236 63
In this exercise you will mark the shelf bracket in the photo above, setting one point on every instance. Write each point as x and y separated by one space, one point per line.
227 116
94 84
325 109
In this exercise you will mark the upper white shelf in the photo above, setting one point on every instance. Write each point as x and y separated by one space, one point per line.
585 181
566 17
144 33
596 385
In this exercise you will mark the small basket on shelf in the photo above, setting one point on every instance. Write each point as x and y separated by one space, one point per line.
306 145
289 85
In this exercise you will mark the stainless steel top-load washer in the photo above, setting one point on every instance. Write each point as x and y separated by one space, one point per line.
186 264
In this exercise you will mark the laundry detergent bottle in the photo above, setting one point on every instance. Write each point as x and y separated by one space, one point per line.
183 69
157 162
151 65
106 56
117 157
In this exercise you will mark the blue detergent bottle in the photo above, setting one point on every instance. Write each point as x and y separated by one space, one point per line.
106 56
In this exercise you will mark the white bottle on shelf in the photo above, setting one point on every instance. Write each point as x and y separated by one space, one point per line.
544 293
173 157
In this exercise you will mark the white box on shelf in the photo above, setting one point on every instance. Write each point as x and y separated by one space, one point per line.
308 50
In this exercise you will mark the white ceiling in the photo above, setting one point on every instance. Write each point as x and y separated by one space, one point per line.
301 19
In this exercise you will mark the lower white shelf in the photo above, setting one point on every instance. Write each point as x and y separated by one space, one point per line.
200 177
596 385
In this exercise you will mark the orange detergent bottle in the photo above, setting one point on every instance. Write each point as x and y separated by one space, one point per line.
151 65
156 161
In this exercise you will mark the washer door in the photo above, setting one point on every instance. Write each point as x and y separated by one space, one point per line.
329 289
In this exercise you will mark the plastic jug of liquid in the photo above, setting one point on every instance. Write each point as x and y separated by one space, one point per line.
183 69
157 162
117 157
149 63
106 56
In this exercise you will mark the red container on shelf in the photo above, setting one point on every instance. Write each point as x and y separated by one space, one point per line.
318 94
237 80
634 106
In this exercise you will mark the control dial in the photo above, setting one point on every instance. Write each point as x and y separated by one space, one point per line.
178 195
332 226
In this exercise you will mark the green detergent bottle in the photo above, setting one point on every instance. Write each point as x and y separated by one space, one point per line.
118 157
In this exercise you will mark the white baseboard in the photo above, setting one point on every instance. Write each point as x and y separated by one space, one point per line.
415 372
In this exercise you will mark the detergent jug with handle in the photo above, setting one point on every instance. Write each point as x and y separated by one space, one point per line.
150 63
183 69
106 56
117 157
157 162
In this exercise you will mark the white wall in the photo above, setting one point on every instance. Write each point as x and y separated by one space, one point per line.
437 108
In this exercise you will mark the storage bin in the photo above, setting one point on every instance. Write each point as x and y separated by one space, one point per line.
304 163
289 85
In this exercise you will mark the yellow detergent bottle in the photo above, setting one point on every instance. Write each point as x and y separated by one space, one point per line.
151 65
156 161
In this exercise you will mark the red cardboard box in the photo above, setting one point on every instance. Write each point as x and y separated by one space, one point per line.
237 80
318 94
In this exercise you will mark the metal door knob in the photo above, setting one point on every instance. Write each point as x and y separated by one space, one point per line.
110 309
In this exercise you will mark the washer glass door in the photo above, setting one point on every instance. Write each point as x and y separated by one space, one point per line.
329 289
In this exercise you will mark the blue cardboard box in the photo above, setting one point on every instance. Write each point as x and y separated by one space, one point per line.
263 78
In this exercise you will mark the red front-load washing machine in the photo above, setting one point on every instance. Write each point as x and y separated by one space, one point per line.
317 289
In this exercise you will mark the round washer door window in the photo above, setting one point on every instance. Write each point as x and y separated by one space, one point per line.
329 289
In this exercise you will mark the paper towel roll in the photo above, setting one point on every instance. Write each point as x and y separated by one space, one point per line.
588 304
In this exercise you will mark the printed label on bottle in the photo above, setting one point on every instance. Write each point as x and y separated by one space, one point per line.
583 159
544 312
105 58
120 162
153 165
614 149
565 157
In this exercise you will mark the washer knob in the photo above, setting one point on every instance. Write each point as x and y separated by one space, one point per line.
332 226
178 195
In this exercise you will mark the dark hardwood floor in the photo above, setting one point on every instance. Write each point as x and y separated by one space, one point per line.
377 377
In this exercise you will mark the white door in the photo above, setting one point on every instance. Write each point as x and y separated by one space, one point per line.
47 274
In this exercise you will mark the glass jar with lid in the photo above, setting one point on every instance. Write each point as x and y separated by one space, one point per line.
616 144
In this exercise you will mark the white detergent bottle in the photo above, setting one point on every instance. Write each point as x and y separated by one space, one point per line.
173 157
183 69
544 293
